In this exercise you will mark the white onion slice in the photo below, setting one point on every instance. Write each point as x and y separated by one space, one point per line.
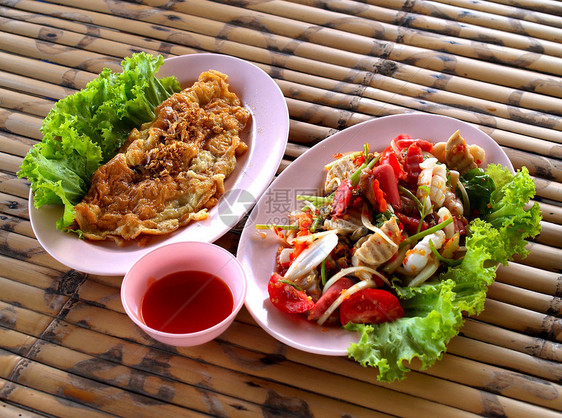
353 270
375 229
312 237
346 293
312 256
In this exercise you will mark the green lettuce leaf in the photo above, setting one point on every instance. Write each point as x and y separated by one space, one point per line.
86 129
434 311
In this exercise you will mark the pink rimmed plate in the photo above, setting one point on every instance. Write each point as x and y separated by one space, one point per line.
306 175
266 137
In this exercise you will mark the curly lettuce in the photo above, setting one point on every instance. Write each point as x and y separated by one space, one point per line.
434 311
86 129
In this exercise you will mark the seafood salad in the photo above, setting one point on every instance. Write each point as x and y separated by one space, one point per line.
400 245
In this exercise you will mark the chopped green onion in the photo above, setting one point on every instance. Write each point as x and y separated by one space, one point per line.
450 261
357 174
290 283
428 231
323 272
317 200
411 196
272 226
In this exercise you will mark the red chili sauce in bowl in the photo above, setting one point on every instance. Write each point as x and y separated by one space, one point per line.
186 301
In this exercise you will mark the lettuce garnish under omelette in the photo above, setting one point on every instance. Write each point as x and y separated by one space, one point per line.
171 171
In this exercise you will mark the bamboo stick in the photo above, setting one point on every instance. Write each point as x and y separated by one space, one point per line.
47 32
15 144
13 411
12 205
551 7
504 358
16 317
530 278
524 298
34 87
502 10
79 314
435 24
475 17
25 248
91 393
184 369
493 334
9 162
35 106
16 224
73 78
551 213
539 166
47 279
20 123
16 187
31 297
522 320
416 382
428 77
291 29
548 189
542 256
551 235
46 50
355 21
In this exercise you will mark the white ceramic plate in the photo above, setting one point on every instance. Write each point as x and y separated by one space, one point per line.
266 136
306 175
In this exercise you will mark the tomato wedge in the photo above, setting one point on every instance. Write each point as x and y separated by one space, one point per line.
371 306
328 298
286 297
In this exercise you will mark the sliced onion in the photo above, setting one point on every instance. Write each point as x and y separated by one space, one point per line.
367 223
353 270
394 264
312 237
425 274
312 256
346 293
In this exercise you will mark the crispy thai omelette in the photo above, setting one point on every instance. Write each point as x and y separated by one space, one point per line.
172 171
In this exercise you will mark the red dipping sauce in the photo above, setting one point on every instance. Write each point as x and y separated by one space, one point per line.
186 301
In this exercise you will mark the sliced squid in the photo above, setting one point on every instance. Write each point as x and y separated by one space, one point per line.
379 247
418 257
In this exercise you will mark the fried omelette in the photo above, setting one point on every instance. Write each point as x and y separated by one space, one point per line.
172 171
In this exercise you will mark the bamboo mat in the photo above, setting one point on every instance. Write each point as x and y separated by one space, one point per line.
68 349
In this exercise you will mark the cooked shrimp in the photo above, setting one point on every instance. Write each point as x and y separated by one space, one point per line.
418 257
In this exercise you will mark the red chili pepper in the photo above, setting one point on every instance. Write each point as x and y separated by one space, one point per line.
391 159
379 195
404 141
388 184
414 158
342 197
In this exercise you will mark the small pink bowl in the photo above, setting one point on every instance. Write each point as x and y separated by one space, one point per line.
182 256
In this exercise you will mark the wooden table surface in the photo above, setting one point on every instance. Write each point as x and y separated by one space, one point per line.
68 349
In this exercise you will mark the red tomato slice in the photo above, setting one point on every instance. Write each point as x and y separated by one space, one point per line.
286 297
328 298
388 183
371 306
